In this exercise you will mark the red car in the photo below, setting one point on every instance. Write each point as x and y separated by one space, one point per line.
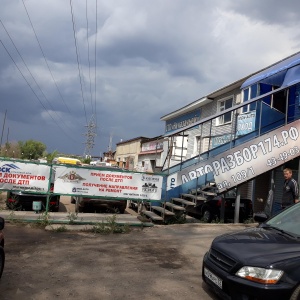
2 254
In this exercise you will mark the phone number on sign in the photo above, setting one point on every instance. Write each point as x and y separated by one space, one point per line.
283 156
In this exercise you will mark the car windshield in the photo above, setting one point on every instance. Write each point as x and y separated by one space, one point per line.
288 220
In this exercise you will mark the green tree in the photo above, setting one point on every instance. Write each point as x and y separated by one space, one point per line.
51 156
11 150
32 149
86 160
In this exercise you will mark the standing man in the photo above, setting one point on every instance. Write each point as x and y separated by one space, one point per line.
290 189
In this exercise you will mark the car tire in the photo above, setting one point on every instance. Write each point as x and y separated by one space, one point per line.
2 260
207 215
296 294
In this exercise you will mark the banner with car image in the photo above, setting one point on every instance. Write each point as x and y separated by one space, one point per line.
24 176
104 183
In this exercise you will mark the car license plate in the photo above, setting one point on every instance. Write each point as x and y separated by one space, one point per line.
241 204
212 277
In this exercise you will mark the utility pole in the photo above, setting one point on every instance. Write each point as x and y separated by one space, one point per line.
3 128
110 142
90 136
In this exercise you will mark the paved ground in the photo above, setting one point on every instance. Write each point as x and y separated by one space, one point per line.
160 262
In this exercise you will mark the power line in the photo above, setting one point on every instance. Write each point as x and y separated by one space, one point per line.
45 57
33 90
96 59
31 73
78 65
88 44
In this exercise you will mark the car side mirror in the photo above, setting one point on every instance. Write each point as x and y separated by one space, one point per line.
260 217
2 222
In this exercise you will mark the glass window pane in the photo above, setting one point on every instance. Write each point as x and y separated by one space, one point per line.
246 94
253 91
228 103
227 117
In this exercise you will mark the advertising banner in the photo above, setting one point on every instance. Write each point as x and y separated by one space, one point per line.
15 175
104 183
246 161
220 140
183 121
246 123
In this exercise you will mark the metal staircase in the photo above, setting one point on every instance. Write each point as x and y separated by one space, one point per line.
273 141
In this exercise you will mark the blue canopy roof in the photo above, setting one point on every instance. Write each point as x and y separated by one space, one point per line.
277 73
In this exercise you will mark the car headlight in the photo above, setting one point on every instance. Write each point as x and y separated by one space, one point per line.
261 275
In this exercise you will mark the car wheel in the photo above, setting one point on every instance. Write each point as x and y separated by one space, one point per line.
207 216
296 294
114 210
2 260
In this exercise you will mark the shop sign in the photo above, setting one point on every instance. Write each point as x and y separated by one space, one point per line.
220 140
246 161
103 183
15 175
152 146
182 121
245 123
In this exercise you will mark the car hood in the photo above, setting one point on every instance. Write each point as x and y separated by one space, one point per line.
258 246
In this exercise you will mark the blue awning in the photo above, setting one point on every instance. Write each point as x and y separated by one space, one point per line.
276 74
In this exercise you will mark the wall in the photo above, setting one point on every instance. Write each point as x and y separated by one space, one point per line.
127 153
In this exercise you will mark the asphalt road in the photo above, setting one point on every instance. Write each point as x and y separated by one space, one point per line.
160 262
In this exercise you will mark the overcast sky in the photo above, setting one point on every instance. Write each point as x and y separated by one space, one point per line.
152 57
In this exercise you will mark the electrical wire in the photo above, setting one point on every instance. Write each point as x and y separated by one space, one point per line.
77 56
57 124
96 33
88 45
32 74
45 57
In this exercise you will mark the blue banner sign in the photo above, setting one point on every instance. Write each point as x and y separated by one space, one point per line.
220 140
183 121
246 123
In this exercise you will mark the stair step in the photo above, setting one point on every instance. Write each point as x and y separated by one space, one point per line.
183 201
209 188
194 197
205 193
152 215
208 193
163 210
174 206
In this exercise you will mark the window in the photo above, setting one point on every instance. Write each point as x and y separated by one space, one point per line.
179 150
197 145
223 105
250 93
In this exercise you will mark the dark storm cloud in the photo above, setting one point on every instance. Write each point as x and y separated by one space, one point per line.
269 11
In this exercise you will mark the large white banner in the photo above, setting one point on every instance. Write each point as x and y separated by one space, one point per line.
246 161
104 183
15 175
